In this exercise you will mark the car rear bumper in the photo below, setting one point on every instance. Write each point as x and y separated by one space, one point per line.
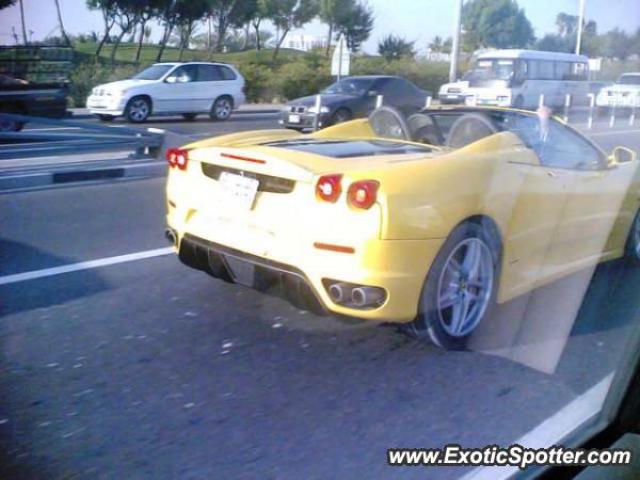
303 121
390 267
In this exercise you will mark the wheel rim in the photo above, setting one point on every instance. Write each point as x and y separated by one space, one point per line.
341 117
139 110
636 236
465 287
223 108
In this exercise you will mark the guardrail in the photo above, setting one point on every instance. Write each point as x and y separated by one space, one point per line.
77 137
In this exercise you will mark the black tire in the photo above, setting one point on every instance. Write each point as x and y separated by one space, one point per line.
341 115
632 248
138 110
106 118
189 117
221 108
431 321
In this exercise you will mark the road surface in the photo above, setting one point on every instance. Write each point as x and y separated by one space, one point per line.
138 367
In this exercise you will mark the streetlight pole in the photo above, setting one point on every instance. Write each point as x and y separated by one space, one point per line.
580 23
455 47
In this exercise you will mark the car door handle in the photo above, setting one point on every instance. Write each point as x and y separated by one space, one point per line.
552 174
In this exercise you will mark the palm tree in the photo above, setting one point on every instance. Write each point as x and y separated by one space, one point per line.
62 30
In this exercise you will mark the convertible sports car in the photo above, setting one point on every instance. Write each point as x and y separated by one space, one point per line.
426 221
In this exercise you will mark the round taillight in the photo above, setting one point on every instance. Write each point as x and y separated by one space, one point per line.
328 188
178 157
363 194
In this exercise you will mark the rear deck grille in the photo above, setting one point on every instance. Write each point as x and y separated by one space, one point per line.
267 183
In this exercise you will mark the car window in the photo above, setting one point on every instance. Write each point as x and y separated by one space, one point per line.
226 73
184 74
556 146
564 148
208 73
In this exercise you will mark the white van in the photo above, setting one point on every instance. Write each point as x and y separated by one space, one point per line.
185 89
518 78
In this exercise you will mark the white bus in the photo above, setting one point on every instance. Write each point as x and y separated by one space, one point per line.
518 78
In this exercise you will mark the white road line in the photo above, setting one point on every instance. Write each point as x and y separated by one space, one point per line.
75 267
554 429
50 129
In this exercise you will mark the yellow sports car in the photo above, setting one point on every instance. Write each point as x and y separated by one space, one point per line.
425 221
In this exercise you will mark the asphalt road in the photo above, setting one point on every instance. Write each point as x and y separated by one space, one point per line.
147 369
202 126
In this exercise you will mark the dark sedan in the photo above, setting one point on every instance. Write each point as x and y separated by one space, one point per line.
354 97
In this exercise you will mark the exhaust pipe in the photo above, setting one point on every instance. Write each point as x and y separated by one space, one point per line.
367 296
171 236
338 292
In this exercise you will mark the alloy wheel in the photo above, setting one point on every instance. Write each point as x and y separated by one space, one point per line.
222 108
139 110
465 287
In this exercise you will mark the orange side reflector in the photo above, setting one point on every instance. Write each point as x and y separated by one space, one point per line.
240 157
334 248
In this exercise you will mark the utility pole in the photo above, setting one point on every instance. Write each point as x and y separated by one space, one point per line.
580 24
455 47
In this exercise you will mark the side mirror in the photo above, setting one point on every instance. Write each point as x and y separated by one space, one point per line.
621 155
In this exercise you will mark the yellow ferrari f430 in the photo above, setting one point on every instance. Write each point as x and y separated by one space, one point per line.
426 220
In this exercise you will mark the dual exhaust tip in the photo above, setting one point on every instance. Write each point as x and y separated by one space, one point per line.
171 236
356 296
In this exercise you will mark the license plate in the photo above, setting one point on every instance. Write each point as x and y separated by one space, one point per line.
294 118
241 191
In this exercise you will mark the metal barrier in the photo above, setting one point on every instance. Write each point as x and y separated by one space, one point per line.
77 137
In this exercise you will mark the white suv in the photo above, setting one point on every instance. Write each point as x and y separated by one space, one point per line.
185 89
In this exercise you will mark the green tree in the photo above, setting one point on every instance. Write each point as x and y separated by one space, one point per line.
188 13
553 42
618 44
567 24
145 10
288 14
126 17
229 13
331 12
436 44
7 3
392 47
168 17
566 38
356 25
495 23
108 9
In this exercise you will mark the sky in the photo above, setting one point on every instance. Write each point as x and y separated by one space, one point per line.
415 20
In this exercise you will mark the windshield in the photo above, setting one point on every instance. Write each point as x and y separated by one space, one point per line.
492 69
629 80
155 72
350 86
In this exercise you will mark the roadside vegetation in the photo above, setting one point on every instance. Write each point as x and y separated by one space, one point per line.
251 34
